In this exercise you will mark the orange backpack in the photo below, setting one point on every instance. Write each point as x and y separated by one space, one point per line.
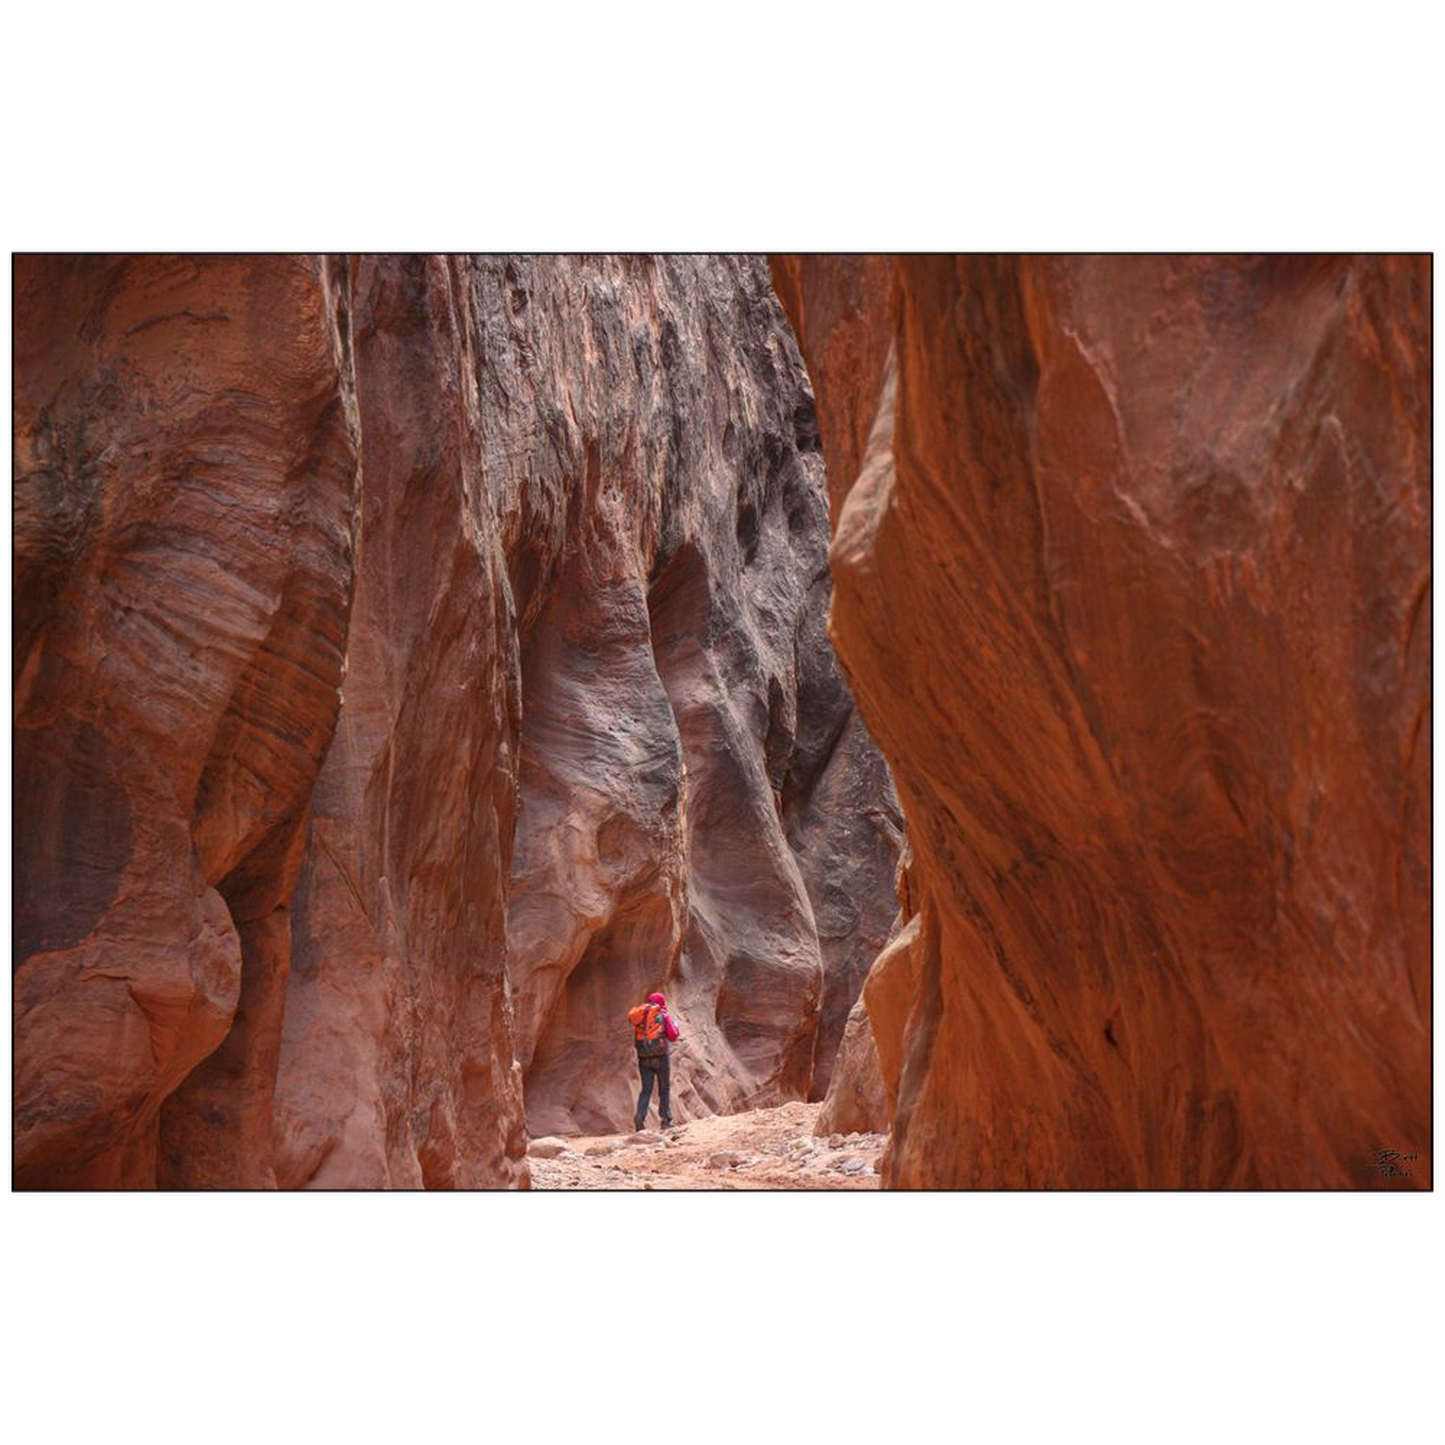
647 1034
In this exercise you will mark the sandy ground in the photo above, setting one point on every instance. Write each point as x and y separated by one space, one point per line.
764 1149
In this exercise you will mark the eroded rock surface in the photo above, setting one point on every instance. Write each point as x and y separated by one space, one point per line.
185 480
1133 580
396 1065
418 659
701 809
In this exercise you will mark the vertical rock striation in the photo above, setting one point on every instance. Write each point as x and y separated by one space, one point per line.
415 658
185 477
1132 561
396 1064
693 775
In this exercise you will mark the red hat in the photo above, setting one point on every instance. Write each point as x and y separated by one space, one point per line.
655 998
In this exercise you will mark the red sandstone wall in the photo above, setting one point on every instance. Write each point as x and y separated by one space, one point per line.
415 658
1132 568
185 482
700 808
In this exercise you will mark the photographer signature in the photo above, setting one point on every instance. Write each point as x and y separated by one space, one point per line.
1391 1162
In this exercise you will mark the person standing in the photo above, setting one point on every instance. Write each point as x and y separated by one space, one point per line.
653 1033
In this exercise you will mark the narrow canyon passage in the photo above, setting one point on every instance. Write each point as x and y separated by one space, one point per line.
420 659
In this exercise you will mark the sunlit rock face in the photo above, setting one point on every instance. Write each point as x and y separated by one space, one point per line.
1132 569
415 658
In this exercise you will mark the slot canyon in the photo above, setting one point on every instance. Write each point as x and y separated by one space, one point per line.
418 660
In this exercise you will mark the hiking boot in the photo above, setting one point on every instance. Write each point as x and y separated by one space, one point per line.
667 1123
637 1125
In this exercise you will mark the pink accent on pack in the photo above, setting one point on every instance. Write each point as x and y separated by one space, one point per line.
668 1027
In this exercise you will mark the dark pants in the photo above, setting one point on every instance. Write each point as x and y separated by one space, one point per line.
660 1069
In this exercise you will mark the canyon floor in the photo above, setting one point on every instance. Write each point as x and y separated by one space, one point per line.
762 1149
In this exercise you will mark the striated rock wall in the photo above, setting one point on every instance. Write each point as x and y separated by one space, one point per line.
1132 561
396 1063
185 479
701 809
415 659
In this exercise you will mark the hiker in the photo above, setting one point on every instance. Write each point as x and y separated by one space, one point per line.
653 1031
